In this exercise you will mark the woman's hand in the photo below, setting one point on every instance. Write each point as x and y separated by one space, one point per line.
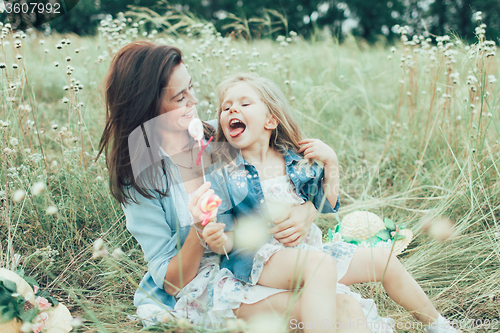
292 227
203 192
317 149
214 235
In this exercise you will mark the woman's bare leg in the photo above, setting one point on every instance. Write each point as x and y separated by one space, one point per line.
314 272
368 265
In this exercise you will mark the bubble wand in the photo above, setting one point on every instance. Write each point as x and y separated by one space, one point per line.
208 205
195 129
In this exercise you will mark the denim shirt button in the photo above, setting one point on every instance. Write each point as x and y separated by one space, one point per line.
261 201
292 175
249 176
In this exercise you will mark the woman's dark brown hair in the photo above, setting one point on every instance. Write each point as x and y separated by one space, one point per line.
134 91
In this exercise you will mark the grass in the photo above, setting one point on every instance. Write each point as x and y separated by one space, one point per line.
413 146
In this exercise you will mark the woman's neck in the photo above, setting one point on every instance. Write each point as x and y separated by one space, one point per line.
175 142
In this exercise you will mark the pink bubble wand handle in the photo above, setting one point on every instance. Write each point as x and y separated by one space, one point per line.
207 206
196 131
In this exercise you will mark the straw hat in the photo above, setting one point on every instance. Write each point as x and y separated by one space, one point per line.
361 225
59 317
13 326
23 288
59 320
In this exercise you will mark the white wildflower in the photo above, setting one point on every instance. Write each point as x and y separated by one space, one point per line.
442 229
25 107
118 253
98 244
37 188
99 249
19 195
76 322
51 210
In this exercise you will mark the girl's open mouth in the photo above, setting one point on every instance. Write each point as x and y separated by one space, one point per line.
236 127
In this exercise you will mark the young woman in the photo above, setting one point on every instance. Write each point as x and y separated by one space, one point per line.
150 157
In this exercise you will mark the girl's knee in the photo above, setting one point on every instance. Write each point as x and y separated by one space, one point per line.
384 261
347 303
322 262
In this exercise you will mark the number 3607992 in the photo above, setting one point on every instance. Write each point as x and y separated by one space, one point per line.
32 7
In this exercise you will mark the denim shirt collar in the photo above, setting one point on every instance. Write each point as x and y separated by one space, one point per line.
289 156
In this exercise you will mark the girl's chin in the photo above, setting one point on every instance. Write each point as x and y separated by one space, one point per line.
237 144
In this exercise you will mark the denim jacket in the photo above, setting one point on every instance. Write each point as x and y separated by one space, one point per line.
238 185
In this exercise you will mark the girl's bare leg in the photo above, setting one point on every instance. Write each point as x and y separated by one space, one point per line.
349 311
368 265
279 305
314 272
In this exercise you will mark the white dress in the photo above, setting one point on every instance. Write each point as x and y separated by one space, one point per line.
209 299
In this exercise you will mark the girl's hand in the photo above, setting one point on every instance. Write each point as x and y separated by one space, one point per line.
204 191
317 149
214 235
291 228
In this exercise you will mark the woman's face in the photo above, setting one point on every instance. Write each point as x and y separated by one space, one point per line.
179 103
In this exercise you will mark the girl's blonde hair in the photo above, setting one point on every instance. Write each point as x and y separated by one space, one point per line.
288 133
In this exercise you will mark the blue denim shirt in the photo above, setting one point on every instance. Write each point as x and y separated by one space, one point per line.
160 226
238 185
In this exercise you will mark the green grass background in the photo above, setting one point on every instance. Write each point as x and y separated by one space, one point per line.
410 144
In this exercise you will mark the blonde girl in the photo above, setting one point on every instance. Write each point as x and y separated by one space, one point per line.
267 150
